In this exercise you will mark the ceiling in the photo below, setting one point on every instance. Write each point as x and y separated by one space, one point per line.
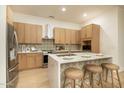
74 13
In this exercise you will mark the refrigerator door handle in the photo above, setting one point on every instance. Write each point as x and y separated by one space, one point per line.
16 39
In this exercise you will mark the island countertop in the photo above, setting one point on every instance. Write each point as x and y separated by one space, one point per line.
58 63
78 57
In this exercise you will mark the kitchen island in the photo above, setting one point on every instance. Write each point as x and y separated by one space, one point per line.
57 63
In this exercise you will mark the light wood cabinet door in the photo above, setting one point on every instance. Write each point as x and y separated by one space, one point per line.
22 61
39 34
57 35
20 30
73 38
31 61
62 36
27 33
77 37
89 31
96 39
92 33
67 36
33 33
39 60
83 33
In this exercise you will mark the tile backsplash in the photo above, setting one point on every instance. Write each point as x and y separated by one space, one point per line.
47 44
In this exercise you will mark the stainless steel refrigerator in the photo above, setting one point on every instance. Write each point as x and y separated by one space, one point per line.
12 60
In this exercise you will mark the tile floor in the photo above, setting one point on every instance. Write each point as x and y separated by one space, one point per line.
38 78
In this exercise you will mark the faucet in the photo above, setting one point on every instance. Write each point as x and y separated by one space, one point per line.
69 52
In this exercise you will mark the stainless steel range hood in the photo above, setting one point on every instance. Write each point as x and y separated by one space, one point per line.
48 32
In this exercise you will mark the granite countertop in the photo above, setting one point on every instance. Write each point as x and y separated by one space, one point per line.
62 51
20 52
78 57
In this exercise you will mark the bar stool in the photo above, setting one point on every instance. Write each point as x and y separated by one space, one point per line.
73 74
111 67
93 69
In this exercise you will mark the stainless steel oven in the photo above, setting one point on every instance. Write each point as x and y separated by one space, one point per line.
45 58
12 61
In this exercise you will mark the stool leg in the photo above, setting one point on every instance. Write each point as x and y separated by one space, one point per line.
112 78
84 74
118 79
103 73
100 75
64 83
92 85
106 75
82 85
73 83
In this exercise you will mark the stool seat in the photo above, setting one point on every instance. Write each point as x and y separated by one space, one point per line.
94 68
110 66
73 73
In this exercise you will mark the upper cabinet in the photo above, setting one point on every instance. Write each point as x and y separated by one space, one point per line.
59 35
86 32
20 30
28 33
66 36
91 33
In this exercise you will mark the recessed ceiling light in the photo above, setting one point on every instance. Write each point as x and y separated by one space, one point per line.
85 14
63 9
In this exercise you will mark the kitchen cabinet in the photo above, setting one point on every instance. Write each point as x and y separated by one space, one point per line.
73 39
91 33
62 36
20 31
77 37
32 34
28 33
22 59
66 36
86 32
30 60
59 35
39 34
39 60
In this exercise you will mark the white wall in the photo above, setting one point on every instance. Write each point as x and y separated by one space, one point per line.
2 46
43 21
121 37
109 32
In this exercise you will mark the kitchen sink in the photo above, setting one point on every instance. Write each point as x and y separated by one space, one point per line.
86 56
67 54
69 58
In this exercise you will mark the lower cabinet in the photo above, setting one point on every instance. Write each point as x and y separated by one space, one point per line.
30 60
22 59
